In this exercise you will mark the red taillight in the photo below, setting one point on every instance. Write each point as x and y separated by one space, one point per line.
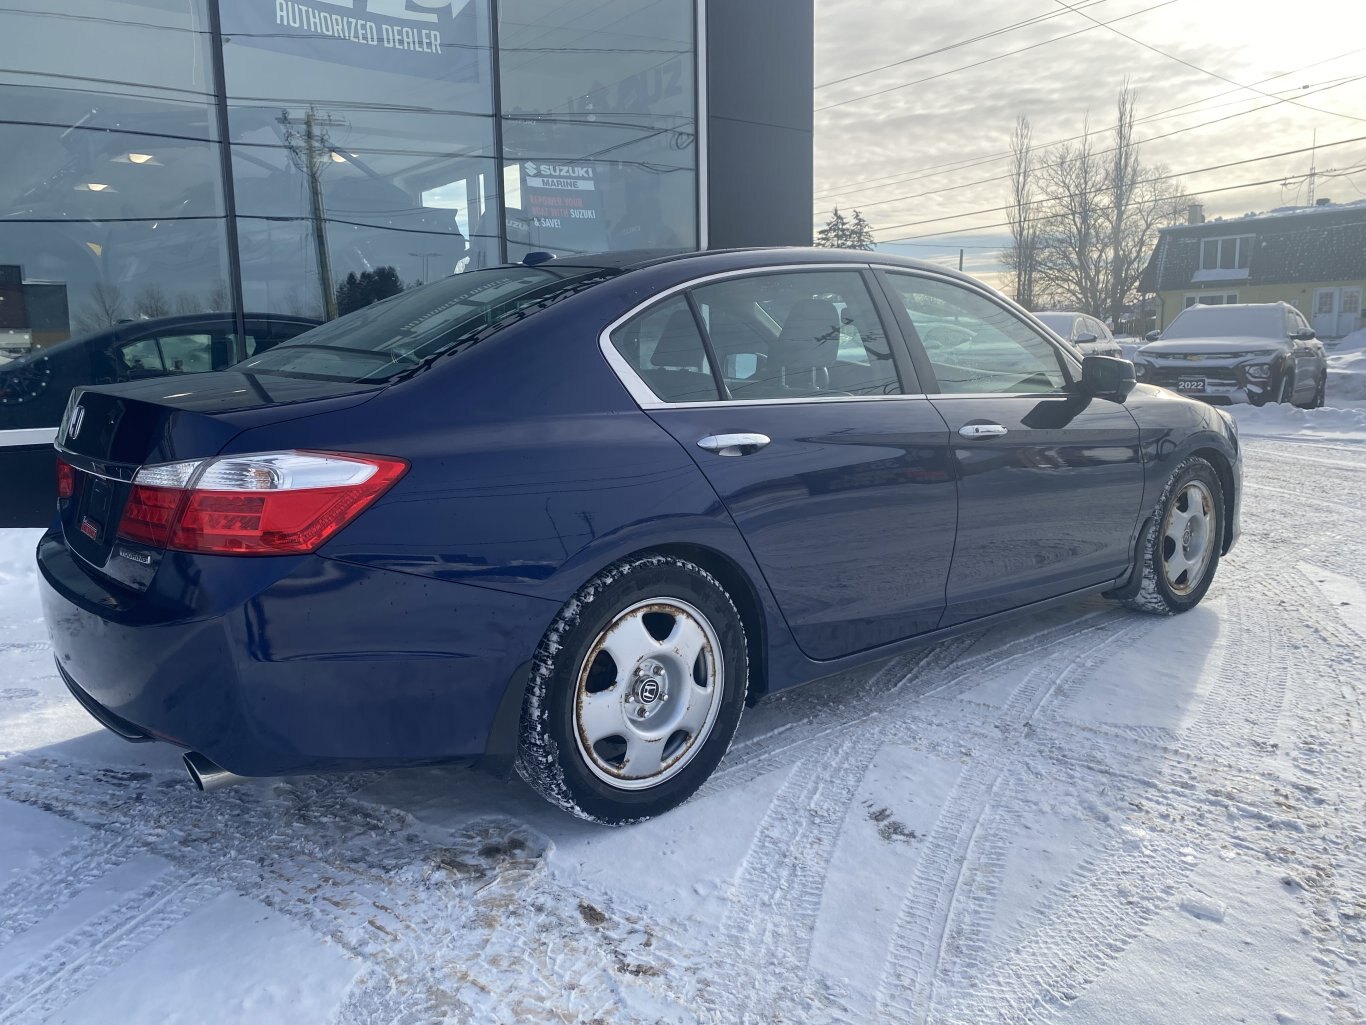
149 513
273 503
66 479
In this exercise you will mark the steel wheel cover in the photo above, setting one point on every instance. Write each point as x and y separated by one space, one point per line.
648 693
1188 537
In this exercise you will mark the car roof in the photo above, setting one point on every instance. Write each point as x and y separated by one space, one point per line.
756 256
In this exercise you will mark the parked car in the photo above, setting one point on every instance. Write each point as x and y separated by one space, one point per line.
1088 334
1242 352
35 386
575 515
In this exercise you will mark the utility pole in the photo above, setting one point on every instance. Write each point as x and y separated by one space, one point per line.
960 259
310 153
1313 166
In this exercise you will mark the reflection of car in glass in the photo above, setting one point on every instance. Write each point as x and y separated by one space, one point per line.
34 388
1252 352
574 515
1087 334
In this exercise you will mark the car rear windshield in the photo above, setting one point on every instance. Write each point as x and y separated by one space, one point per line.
392 337
1214 322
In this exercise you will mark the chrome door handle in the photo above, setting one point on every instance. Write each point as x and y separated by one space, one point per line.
982 430
733 444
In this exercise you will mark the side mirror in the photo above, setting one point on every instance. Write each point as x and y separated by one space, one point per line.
1084 339
1303 336
1152 336
1107 377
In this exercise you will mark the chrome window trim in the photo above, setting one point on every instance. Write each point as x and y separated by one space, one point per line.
635 384
648 400
19 436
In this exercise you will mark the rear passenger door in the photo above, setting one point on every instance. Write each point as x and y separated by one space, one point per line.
785 390
1050 483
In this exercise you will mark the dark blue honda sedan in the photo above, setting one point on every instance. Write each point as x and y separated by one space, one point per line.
573 516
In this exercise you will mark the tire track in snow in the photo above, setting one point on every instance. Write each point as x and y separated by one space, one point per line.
53 977
1085 922
924 935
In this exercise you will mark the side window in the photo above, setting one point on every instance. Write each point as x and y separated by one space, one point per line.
663 346
135 361
973 344
187 354
802 334
1079 327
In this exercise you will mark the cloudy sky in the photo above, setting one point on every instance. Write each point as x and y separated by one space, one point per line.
908 155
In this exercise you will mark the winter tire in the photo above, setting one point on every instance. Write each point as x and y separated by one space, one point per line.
635 692
1320 395
1179 553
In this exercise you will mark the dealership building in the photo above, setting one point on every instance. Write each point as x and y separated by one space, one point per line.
211 164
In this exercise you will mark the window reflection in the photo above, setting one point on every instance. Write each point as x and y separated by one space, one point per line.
599 130
362 148
111 207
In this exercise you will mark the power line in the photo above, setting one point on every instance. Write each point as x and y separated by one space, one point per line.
1195 67
1153 138
1156 178
960 164
988 60
1037 19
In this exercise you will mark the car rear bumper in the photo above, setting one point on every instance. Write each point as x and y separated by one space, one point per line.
290 665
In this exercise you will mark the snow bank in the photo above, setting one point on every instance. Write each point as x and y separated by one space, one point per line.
18 588
1285 421
1347 370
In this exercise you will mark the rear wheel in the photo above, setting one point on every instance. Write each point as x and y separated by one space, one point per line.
1317 400
1180 551
636 691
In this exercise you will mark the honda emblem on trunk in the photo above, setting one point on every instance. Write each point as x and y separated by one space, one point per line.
77 418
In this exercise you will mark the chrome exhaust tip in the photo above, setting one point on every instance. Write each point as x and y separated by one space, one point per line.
207 775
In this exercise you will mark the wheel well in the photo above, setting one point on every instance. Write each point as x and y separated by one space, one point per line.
1221 466
741 589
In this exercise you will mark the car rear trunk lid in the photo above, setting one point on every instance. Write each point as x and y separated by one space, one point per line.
110 432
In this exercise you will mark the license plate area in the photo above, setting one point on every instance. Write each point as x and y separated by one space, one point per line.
95 511
1190 384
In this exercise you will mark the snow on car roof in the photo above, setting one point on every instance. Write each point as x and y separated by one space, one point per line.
1263 320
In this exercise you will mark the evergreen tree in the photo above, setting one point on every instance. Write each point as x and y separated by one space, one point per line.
860 233
370 287
835 234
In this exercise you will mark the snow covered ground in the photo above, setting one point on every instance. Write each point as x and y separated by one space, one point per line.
1091 816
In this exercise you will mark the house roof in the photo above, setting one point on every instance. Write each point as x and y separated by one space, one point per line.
1307 244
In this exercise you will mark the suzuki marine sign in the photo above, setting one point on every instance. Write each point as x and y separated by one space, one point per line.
404 36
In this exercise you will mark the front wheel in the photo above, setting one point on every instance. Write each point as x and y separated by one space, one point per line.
1180 551
636 691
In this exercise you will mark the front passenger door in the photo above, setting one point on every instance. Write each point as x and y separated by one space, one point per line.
1050 483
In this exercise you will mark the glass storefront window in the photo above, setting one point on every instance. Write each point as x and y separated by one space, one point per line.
599 129
110 202
362 148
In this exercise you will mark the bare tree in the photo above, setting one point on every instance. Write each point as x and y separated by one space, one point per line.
104 309
151 301
1072 231
1123 186
1098 218
1022 256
